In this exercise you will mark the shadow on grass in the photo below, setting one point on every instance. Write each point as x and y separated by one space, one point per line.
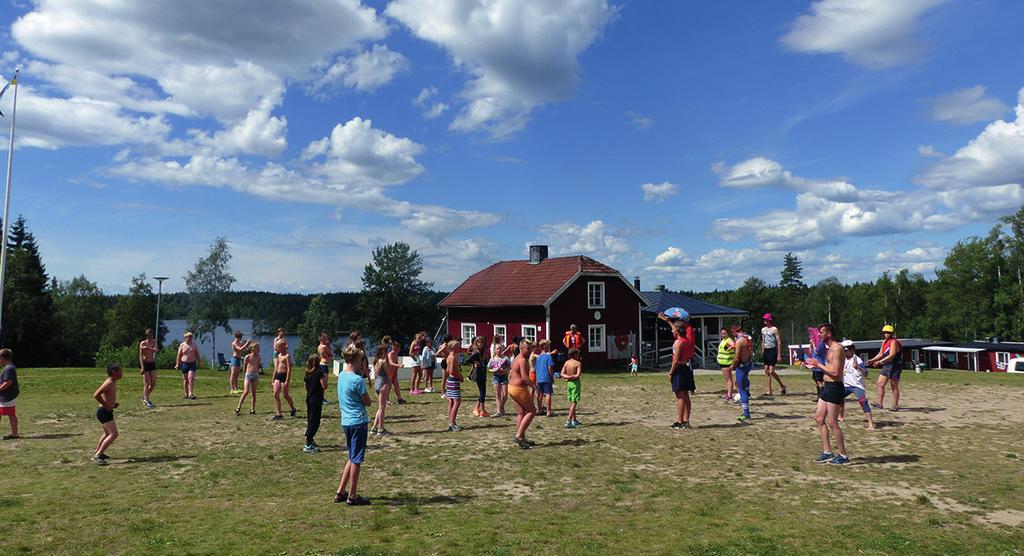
888 424
467 428
609 424
409 500
54 436
154 459
190 404
404 419
785 417
735 425
920 409
567 442
894 458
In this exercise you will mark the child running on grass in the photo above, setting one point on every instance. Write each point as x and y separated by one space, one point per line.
282 379
251 366
316 382
571 372
106 395
854 373
9 391
453 385
352 402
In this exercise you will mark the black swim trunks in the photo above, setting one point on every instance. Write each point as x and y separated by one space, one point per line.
818 375
682 381
281 376
148 366
771 356
104 415
833 392
893 372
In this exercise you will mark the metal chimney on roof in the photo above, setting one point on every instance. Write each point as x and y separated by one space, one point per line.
538 253
636 283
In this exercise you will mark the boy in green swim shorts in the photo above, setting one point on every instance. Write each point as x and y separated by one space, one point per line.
571 372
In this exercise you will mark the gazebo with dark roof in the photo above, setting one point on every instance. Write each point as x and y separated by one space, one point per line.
658 349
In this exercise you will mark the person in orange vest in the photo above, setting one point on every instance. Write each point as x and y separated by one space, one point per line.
573 339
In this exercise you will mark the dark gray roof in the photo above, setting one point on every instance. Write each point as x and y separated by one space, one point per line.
1016 347
658 301
912 343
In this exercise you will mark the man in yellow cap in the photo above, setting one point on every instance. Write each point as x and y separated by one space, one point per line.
890 359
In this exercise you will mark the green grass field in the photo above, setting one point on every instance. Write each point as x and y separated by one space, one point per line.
942 477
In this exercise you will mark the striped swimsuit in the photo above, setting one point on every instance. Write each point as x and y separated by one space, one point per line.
452 388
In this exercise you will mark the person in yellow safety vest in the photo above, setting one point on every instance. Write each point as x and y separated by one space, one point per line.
726 355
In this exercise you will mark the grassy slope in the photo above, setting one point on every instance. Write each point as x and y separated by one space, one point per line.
191 477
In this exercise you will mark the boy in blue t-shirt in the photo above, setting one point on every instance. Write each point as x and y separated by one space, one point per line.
545 367
352 402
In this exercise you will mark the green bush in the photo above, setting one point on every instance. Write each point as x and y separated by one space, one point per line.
128 357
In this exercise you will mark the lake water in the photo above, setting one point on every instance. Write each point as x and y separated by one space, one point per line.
176 331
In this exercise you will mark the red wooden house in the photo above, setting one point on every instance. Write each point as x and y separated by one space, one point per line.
988 356
541 297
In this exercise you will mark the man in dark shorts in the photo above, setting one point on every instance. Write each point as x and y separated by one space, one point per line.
681 373
147 363
771 342
830 398
187 362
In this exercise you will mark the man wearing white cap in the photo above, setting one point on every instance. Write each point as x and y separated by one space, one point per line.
770 342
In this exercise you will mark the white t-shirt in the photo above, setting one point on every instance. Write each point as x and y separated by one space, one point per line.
770 336
853 372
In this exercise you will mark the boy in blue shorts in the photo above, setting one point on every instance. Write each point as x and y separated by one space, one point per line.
545 368
352 402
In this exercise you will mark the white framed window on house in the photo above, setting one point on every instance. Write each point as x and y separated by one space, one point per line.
595 295
468 333
500 332
1002 359
595 338
530 332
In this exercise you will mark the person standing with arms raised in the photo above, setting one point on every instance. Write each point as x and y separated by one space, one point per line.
681 373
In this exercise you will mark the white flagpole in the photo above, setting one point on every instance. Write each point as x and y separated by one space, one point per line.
7 202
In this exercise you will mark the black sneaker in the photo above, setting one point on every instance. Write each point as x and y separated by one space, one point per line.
677 425
340 497
522 443
277 418
358 501
238 411
293 413
400 402
684 425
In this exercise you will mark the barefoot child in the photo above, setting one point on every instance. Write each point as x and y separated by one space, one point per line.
544 370
282 379
571 371
251 365
147 367
352 402
428 362
633 364
9 391
316 382
854 373
382 388
106 395
453 385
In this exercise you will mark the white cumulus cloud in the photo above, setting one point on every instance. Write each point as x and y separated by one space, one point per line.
966 106
594 239
520 53
365 71
659 191
871 33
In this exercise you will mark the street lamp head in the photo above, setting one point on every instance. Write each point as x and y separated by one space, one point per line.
161 278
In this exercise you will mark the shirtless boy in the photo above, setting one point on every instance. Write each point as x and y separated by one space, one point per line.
251 365
519 385
282 379
106 395
147 366
326 355
187 362
238 351
830 398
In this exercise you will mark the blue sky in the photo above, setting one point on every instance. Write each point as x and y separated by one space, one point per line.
690 144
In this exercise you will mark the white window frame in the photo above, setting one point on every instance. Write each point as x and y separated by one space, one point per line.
503 335
590 303
531 327
467 339
1002 360
595 348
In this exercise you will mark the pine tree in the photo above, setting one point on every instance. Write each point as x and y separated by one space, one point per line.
28 325
394 300
317 318
79 309
206 284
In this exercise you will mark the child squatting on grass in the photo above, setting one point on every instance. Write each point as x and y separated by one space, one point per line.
352 402
106 395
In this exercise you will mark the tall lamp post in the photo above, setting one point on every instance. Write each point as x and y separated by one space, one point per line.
159 292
